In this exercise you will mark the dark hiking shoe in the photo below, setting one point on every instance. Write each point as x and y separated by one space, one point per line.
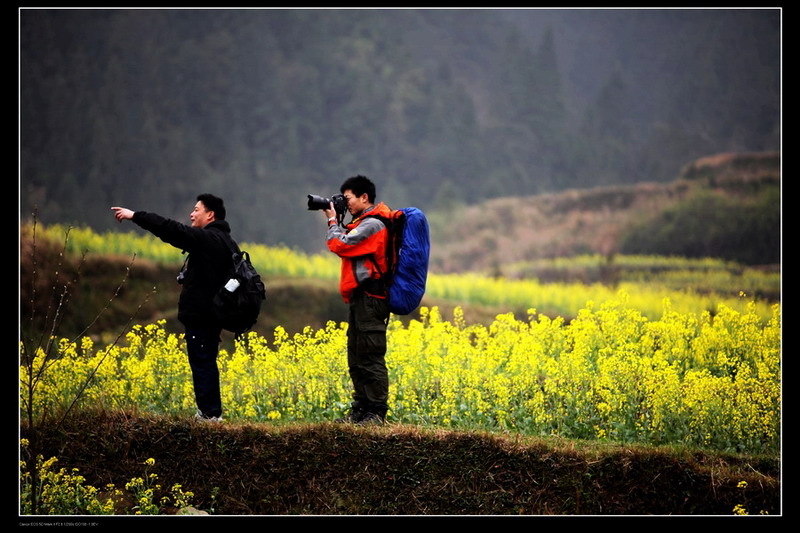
371 419
349 418
353 417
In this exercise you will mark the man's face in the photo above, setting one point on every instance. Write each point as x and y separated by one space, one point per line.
200 216
356 204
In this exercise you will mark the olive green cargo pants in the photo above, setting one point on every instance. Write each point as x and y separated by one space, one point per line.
366 353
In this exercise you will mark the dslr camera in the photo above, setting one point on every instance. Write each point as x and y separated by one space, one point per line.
320 202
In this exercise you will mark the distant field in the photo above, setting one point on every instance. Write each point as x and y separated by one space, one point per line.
557 287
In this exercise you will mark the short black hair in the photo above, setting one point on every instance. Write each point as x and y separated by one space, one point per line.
360 185
213 203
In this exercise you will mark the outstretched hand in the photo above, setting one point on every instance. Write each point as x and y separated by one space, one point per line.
121 213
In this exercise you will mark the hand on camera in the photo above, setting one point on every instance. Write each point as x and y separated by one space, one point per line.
330 213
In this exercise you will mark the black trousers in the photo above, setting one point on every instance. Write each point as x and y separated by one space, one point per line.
202 346
366 352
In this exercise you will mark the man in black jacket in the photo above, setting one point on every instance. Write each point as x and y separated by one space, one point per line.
207 242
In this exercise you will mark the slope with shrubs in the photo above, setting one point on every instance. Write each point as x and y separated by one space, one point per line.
726 206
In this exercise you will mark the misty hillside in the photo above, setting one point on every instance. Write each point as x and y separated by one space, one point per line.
442 108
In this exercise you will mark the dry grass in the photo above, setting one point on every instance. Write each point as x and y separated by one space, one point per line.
331 469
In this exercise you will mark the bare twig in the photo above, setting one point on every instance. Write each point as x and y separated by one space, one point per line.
107 350
111 300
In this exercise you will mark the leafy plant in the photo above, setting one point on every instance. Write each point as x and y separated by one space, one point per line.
47 491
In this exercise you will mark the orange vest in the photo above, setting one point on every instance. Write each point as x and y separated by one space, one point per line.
362 247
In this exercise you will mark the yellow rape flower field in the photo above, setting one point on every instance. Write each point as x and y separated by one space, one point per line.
611 373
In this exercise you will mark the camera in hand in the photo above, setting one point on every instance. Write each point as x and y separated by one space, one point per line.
320 202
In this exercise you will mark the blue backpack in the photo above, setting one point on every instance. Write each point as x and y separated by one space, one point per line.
407 255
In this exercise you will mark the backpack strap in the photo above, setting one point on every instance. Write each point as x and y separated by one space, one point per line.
235 250
232 246
393 228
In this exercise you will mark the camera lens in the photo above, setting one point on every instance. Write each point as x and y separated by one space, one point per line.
318 202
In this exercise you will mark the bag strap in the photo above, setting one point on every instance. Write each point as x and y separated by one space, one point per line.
186 260
232 245
235 250
393 226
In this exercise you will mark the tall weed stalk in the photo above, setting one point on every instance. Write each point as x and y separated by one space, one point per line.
39 341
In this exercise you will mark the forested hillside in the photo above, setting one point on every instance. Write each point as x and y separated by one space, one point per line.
147 108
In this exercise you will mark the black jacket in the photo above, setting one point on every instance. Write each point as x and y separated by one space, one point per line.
207 267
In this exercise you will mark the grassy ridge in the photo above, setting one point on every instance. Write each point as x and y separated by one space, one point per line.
329 469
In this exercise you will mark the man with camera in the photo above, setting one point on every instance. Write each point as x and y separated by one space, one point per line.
362 246
205 270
